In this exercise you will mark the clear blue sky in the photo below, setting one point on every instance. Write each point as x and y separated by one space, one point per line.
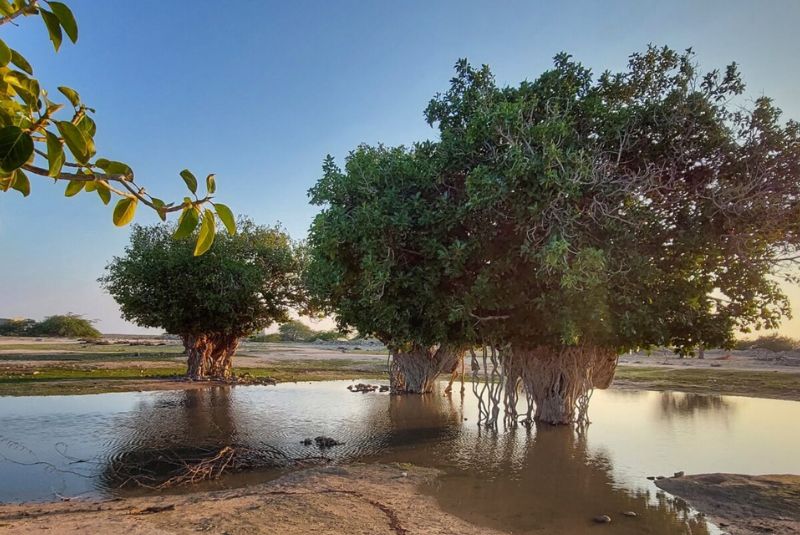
259 92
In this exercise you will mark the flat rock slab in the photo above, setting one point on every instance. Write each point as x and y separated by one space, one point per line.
741 504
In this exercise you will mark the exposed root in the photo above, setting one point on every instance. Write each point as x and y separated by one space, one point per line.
416 371
557 382
164 468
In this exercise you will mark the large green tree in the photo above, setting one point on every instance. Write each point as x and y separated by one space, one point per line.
381 254
56 140
646 207
566 219
244 283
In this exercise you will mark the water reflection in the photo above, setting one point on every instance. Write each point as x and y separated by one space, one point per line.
542 480
547 480
680 404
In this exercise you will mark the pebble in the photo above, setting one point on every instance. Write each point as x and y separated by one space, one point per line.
631 514
678 474
651 478
602 519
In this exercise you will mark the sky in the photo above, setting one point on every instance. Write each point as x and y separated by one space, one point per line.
259 92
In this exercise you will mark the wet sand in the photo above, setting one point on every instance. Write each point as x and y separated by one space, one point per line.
354 499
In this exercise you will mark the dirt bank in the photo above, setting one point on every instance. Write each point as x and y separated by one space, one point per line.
355 499
742 505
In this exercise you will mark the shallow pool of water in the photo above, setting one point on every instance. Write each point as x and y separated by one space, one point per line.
546 480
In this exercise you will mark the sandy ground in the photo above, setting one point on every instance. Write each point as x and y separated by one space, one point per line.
751 359
742 505
352 500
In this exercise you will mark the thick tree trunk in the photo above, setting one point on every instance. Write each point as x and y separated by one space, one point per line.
209 356
559 381
416 371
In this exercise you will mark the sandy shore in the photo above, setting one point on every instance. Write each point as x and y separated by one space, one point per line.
355 499
740 504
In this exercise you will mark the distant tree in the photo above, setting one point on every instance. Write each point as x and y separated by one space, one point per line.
243 284
17 327
65 326
33 139
295 331
771 342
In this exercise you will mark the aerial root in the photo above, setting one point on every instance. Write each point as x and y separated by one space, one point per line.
557 383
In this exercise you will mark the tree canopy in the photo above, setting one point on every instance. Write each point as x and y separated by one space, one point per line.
568 218
243 284
646 207
54 139
64 325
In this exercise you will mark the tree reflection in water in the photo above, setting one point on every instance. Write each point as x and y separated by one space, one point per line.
682 405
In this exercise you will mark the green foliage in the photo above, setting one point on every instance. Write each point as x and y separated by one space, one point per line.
641 208
772 342
272 337
65 326
383 252
244 283
21 327
295 331
34 139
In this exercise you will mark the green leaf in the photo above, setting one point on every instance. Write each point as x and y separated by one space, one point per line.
66 18
89 185
226 216
16 147
87 126
103 192
5 54
211 184
208 230
18 60
71 94
75 140
53 27
188 221
191 181
159 204
21 183
124 211
74 187
55 154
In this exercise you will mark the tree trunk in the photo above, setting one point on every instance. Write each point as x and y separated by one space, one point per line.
209 356
559 381
416 371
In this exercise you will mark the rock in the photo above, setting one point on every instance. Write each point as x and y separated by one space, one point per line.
678 474
602 519
659 477
651 478
384 388
306 442
631 514
324 442
403 474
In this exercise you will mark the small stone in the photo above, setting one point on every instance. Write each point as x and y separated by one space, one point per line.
602 519
403 474
659 477
631 514
306 442
678 474
651 478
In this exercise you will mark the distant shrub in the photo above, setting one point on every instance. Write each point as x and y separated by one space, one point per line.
274 337
325 336
66 326
17 327
772 342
